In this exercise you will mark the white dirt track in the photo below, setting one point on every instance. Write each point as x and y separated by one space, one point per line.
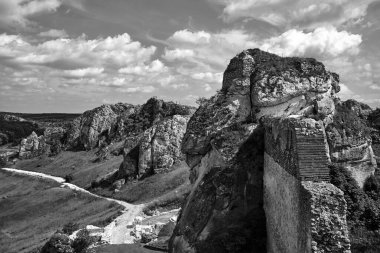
114 233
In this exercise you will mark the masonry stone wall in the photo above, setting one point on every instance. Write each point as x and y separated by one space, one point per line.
304 212
288 221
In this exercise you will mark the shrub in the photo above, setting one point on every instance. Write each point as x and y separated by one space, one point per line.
82 241
58 243
3 162
69 178
70 227
363 212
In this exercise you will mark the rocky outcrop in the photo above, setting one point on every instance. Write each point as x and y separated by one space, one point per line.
351 136
32 146
93 125
10 117
109 123
155 150
50 143
225 147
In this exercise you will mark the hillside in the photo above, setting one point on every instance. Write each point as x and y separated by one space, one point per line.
31 210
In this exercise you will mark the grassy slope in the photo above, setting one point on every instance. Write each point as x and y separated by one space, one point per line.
153 188
123 248
160 187
85 169
31 210
46 116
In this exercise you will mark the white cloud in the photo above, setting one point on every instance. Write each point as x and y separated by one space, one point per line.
207 87
54 33
17 12
86 72
145 89
322 43
187 36
111 51
155 66
299 13
374 87
176 54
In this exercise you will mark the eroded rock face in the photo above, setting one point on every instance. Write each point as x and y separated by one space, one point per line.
32 146
224 147
86 130
351 137
155 150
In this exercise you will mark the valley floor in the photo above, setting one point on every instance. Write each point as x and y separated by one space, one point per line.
116 232
33 207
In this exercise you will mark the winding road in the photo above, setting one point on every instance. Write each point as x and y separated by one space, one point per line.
114 233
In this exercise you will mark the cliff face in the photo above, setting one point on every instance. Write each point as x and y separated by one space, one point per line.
32 146
86 131
153 138
116 122
353 138
155 150
226 148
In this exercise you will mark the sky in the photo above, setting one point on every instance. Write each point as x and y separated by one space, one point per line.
73 55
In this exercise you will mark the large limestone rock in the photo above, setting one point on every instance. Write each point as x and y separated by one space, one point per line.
224 147
155 150
351 137
86 131
32 146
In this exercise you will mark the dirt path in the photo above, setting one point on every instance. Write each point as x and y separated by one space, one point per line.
114 233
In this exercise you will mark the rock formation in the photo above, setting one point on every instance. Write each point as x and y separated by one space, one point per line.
32 146
49 143
351 135
155 150
253 188
86 131
109 123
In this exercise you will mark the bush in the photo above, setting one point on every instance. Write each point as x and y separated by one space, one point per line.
82 242
58 243
3 162
70 227
363 212
69 178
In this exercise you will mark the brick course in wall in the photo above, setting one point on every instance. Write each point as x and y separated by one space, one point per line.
304 212
299 146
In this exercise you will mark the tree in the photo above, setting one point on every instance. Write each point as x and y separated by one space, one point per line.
201 101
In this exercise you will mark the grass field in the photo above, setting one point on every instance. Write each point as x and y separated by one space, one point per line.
158 187
79 164
46 116
31 210
122 248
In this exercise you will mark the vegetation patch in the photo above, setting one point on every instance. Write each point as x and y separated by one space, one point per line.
363 212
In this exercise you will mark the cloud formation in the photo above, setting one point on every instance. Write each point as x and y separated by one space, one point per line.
17 12
54 33
295 13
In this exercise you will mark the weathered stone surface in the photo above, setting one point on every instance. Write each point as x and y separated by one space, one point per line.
328 225
304 212
86 130
351 139
224 146
156 149
53 134
32 146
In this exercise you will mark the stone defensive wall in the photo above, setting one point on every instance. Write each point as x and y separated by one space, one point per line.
304 212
